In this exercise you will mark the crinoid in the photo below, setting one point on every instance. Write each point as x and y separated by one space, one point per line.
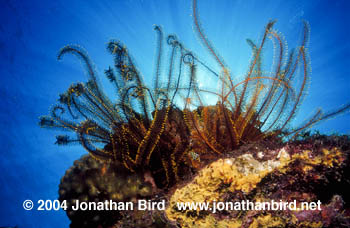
261 105
144 130
149 129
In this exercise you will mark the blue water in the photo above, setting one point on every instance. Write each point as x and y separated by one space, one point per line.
32 32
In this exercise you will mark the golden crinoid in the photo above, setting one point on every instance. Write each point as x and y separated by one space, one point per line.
144 129
259 106
148 130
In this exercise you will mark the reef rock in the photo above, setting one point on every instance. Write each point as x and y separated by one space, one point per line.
313 170
89 180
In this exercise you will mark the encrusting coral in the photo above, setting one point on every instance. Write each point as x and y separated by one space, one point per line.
300 171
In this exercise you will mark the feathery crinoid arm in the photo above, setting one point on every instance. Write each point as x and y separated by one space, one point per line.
91 115
158 61
129 77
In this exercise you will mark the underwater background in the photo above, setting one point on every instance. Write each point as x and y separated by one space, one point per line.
32 32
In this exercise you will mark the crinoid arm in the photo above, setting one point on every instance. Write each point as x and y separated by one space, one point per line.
263 104
143 129
168 128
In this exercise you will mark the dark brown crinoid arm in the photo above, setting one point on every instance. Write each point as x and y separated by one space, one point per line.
143 129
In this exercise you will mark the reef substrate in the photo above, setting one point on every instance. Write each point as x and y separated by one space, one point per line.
312 169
